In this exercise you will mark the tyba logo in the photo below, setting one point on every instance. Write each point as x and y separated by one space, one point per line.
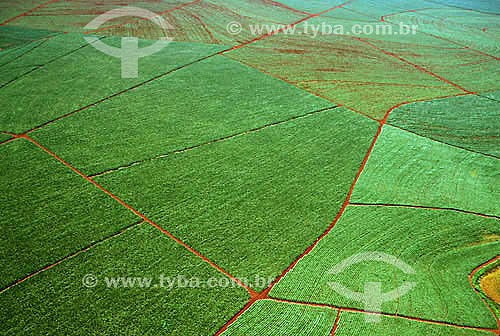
129 53
372 298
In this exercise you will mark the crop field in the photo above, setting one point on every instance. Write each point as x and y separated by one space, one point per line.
289 167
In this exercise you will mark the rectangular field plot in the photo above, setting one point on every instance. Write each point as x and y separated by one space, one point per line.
267 318
253 203
79 297
48 211
408 169
442 247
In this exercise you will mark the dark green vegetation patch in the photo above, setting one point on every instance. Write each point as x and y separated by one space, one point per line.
443 247
4 137
57 303
254 203
48 211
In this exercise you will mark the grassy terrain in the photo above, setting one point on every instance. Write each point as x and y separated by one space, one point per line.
408 169
267 318
471 122
252 204
57 303
443 247
43 221
4 137
394 327
103 72
184 109
192 21
246 147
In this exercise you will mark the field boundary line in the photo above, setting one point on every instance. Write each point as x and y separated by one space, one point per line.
142 19
388 205
228 137
74 254
27 12
119 200
336 324
357 310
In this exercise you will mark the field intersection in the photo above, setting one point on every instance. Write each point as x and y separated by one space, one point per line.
290 167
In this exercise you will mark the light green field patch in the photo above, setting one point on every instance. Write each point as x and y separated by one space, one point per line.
442 247
342 69
48 212
473 29
408 169
187 108
353 324
82 78
253 203
471 122
266 318
56 302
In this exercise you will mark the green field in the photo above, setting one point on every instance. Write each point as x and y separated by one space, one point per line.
289 167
